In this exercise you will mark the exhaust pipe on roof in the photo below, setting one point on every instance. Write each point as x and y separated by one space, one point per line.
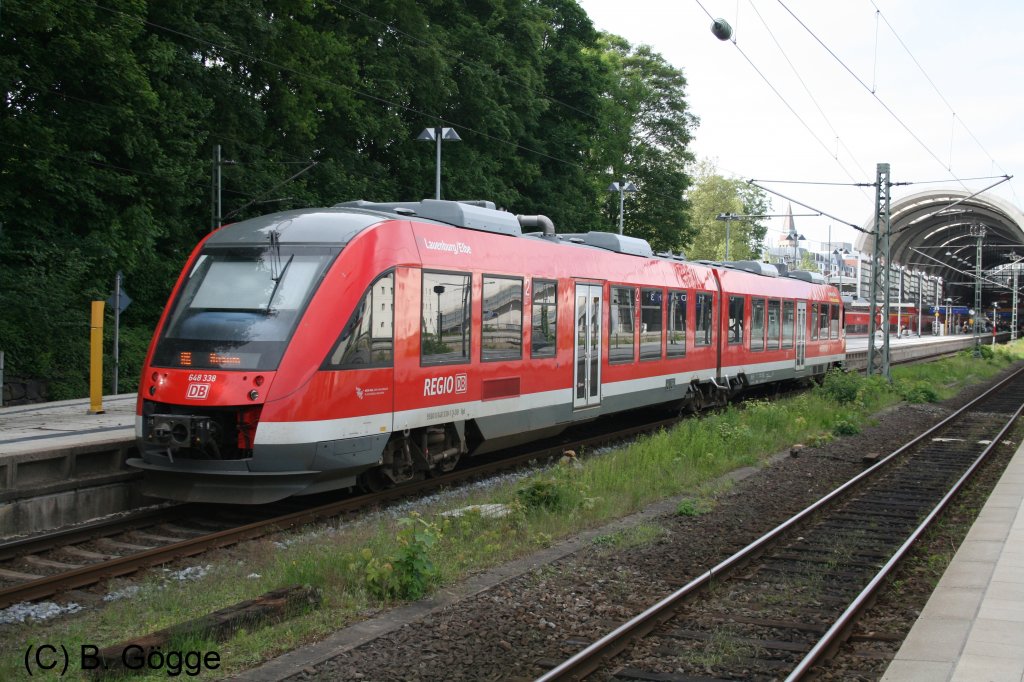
541 221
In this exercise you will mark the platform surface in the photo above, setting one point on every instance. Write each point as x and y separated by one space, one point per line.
972 628
51 426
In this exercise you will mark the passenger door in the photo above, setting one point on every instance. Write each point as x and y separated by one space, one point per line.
587 372
801 334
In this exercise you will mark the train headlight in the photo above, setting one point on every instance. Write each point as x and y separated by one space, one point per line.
254 394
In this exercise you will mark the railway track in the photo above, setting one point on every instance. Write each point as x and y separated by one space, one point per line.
42 566
785 602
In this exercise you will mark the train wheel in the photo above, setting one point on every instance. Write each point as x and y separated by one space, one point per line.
374 481
695 402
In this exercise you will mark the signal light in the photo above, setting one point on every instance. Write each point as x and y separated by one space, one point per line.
258 380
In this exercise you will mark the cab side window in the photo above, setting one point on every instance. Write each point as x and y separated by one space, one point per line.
367 339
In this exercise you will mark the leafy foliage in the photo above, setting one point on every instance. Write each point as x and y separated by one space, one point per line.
410 572
713 194
845 427
111 114
918 392
562 489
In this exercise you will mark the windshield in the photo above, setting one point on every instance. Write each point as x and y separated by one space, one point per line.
239 306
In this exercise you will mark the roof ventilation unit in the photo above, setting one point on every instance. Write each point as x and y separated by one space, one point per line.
756 267
610 241
474 215
807 276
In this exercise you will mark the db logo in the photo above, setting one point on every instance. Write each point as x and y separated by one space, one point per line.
445 385
197 392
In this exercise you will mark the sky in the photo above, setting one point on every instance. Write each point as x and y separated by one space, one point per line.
822 91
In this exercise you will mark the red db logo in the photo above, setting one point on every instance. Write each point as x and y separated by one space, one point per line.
197 392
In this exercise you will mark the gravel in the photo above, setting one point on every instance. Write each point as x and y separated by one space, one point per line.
518 628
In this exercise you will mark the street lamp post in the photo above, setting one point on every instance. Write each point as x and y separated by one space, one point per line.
437 135
727 217
795 239
621 187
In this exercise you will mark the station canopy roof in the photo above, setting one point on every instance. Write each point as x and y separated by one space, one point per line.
924 227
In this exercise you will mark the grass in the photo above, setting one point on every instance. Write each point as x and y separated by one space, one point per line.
365 566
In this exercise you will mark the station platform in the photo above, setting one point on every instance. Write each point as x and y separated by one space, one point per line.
60 465
972 627
47 426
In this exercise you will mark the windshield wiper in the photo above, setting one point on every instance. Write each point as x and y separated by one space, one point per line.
277 281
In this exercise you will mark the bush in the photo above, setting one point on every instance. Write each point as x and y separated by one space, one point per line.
845 427
561 490
691 507
408 574
919 392
841 387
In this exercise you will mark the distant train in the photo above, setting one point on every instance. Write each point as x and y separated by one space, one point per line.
371 344
906 318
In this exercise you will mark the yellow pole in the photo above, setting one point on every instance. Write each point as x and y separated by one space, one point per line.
96 359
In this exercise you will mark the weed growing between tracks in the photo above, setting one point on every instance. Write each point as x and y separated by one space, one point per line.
553 504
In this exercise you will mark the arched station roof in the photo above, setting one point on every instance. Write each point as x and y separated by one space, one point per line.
927 225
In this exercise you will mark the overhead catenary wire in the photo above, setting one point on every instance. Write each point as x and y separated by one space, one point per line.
874 94
938 92
807 90
784 101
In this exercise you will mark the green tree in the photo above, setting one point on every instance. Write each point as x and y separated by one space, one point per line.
112 111
649 128
713 194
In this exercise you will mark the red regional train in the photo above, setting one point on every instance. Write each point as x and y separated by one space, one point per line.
905 317
369 344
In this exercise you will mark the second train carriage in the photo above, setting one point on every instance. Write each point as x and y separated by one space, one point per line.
366 343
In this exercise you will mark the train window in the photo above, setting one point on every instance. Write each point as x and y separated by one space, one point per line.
774 324
705 320
676 342
444 319
834 321
367 338
736 319
545 318
788 323
650 324
823 318
621 328
757 324
814 322
501 328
